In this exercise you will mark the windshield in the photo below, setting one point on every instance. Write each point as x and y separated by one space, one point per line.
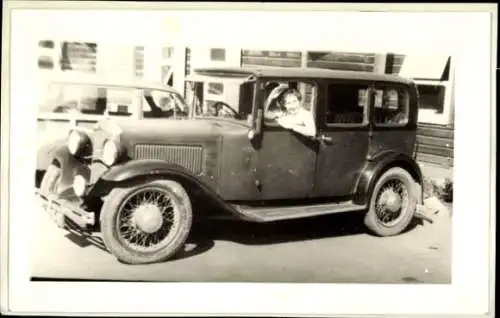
221 98
163 104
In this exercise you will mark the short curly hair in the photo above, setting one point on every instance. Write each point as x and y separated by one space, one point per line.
289 91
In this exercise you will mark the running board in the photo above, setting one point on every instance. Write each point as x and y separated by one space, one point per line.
279 213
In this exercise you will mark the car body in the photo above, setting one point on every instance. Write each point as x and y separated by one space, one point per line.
125 177
78 100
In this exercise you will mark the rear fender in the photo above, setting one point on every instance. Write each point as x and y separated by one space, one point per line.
377 166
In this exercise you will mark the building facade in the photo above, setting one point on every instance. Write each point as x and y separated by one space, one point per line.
434 74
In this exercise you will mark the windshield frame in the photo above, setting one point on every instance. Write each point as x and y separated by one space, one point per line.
195 80
177 96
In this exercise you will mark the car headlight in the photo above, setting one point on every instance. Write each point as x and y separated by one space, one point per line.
79 185
78 142
110 152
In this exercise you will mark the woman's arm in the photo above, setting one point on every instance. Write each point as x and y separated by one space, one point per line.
307 127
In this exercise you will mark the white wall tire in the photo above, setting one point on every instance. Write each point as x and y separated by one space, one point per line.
392 214
146 223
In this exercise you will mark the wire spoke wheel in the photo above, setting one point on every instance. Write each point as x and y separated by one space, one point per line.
391 201
146 220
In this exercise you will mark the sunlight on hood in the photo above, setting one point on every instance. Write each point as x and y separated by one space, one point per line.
110 126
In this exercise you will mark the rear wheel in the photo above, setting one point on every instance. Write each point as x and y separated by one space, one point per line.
146 223
392 204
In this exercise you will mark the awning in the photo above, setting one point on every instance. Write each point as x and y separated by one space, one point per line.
424 66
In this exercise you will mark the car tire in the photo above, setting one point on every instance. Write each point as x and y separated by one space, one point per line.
48 187
50 179
123 244
376 222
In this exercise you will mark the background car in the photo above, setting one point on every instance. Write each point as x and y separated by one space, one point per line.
81 101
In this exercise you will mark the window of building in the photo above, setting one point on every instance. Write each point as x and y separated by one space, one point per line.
271 58
168 52
217 54
46 44
139 61
78 56
431 97
45 62
45 57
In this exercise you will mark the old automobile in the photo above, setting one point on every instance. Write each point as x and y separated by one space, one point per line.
142 184
79 100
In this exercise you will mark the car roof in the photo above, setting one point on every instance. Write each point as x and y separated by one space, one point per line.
124 82
303 72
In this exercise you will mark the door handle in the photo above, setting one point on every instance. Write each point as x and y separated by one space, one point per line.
325 139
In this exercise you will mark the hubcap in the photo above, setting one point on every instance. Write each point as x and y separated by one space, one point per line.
391 202
148 218
146 221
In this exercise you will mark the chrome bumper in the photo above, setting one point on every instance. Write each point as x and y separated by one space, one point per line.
66 209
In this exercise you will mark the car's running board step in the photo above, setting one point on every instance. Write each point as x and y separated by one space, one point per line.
277 213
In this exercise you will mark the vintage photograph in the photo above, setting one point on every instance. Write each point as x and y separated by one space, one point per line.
173 157
163 158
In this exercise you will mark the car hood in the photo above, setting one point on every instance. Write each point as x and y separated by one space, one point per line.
163 131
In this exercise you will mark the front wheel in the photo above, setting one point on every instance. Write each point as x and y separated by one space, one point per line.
49 187
392 204
146 223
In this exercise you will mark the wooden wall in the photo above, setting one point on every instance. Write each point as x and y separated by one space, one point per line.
435 144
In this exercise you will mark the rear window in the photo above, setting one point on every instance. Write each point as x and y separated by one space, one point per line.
392 106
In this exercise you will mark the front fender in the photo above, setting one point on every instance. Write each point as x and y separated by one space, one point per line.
377 166
127 174
69 167
47 151
143 168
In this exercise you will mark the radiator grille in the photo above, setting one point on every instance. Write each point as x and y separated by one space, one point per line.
189 157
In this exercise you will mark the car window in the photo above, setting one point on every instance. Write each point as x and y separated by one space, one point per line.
224 99
391 106
89 100
347 104
306 93
163 104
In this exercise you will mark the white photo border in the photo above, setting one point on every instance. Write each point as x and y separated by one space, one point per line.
470 37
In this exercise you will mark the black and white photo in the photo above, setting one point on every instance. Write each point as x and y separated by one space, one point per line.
250 148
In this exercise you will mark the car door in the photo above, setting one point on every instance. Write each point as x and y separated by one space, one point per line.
287 160
344 134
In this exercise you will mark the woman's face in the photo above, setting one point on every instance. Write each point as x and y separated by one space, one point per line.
291 102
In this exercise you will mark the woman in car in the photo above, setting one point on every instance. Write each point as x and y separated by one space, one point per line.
290 113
